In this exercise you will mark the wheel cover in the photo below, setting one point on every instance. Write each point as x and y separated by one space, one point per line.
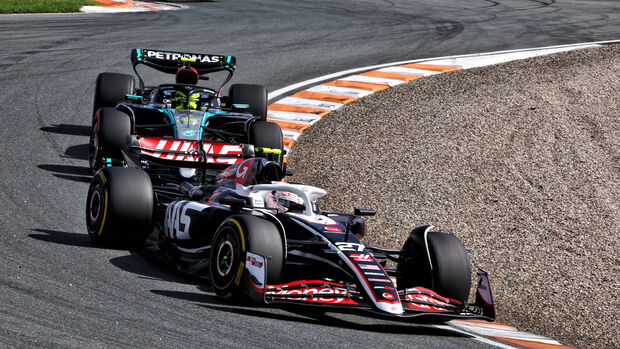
225 258
95 204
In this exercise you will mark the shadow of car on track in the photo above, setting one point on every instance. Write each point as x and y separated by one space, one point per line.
62 237
68 172
67 129
311 315
145 267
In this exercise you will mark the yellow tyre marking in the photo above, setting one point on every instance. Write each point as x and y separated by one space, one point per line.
105 202
242 263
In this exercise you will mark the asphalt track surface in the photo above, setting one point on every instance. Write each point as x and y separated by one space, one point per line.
57 290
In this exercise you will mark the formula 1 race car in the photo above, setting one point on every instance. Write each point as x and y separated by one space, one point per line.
256 237
168 120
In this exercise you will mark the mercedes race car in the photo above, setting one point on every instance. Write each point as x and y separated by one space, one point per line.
259 238
169 121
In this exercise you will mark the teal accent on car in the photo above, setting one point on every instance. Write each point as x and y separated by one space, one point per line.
172 121
133 96
206 117
139 54
240 106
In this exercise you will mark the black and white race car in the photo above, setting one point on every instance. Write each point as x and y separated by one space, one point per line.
257 237
168 121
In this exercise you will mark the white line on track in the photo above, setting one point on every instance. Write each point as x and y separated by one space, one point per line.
277 93
476 337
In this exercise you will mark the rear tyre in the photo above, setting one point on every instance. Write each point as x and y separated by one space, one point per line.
108 136
110 89
448 272
231 243
119 207
254 95
267 134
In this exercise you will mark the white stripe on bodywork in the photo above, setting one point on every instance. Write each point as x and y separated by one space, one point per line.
373 80
174 147
192 250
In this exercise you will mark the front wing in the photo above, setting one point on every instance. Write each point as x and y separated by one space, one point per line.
417 302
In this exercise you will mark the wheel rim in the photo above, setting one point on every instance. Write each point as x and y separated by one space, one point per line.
95 205
225 258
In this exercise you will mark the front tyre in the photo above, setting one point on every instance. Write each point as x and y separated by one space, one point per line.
119 207
437 261
235 237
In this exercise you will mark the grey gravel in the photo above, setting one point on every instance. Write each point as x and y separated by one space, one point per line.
519 160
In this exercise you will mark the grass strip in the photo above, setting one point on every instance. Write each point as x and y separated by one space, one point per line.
43 6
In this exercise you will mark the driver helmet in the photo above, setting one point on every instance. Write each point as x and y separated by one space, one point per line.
284 201
180 100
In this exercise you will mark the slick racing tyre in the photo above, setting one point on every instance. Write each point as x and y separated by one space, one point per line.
119 207
110 89
235 237
267 134
108 135
253 95
444 267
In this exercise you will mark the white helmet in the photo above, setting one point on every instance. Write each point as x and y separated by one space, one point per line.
284 201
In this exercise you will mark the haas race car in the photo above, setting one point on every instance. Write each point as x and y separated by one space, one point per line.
256 237
167 121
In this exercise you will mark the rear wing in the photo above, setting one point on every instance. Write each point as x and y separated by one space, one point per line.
170 62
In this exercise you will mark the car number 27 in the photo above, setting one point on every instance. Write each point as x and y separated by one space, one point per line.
350 246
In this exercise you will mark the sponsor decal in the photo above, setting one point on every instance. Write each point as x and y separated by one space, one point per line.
373 273
334 229
254 261
383 287
189 133
388 296
184 150
315 294
177 221
380 280
255 264
175 56
411 299
360 257
242 172
369 267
